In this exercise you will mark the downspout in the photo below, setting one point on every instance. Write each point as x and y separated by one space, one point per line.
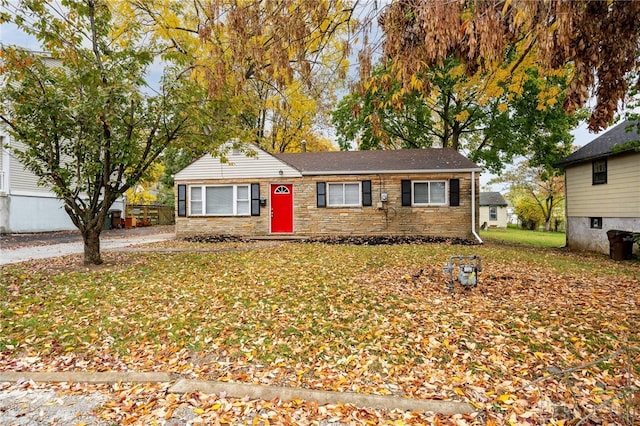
473 207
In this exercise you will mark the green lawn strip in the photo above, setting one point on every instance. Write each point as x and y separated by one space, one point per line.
334 317
525 237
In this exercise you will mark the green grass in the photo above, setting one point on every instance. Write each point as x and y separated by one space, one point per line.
521 236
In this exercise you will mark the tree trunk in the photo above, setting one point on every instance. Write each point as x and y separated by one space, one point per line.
91 239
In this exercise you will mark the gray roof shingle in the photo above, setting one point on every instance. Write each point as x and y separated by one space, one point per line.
378 161
603 145
492 199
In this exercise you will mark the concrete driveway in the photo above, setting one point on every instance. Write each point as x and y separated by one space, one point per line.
15 248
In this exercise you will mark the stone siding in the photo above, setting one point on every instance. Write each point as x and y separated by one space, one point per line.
382 218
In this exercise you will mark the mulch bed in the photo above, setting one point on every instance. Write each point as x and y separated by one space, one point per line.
360 240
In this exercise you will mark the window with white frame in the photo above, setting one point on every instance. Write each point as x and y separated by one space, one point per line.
493 213
220 200
345 194
429 193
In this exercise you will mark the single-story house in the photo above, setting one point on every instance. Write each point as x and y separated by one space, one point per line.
419 192
602 180
493 210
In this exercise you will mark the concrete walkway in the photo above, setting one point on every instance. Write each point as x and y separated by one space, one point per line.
241 390
22 254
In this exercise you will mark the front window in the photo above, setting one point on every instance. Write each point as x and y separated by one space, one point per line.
220 200
493 213
599 172
344 194
429 193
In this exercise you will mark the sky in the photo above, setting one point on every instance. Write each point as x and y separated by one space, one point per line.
10 35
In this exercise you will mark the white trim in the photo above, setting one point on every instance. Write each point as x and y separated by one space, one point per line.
203 200
44 194
378 172
493 211
4 166
473 207
358 204
428 182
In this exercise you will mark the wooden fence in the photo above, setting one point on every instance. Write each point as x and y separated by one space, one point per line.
151 214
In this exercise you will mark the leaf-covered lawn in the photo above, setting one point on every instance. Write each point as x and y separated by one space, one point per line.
333 317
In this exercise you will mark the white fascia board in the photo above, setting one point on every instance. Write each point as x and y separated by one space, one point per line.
387 172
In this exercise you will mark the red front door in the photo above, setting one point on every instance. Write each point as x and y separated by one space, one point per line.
281 208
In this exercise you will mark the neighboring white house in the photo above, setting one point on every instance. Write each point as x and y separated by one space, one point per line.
493 210
602 180
26 206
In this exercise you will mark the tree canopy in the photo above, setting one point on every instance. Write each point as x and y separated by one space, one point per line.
277 62
596 40
82 117
536 193
491 118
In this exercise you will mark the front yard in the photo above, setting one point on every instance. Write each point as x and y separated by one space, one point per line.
370 319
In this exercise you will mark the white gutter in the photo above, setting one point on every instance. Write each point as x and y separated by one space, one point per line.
473 207
380 172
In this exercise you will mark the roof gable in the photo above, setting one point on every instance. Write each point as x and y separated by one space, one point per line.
604 145
378 161
238 165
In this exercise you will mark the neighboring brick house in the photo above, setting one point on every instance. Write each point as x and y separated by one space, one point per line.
425 192
493 210
602 180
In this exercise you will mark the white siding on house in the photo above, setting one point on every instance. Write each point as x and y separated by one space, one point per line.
617 198
37 214
21 180
240 166
501 221
3 166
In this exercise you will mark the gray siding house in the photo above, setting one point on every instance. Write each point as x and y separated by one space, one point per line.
602 188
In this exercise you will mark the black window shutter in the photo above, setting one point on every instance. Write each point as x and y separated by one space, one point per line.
366 192
406 192
182 200
454 192
321 194
255 199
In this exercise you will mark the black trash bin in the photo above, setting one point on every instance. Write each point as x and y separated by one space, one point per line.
620 244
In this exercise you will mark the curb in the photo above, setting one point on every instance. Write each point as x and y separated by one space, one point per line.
81 377
241 390
384 402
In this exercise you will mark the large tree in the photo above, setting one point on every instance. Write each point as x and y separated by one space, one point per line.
492 118
536 193
598 41
278 62
82 117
